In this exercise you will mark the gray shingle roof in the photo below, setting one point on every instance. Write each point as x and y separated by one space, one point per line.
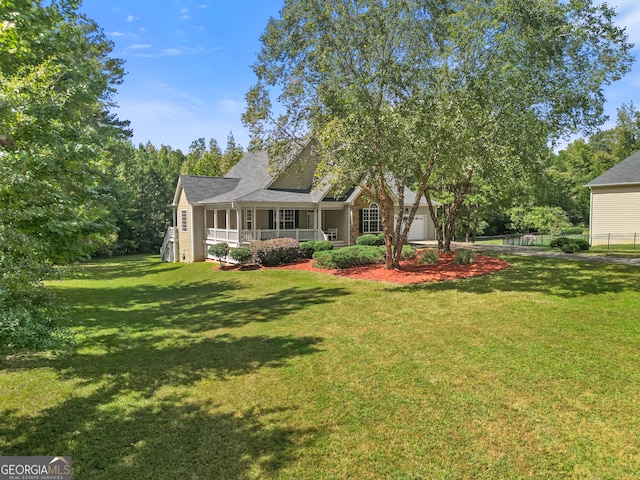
198 188
627 172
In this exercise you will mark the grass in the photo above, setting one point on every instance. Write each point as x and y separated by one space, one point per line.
185 372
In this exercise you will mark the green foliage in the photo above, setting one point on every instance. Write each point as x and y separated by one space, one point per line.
430 256
570 245
369 98
408 252
57 80
347 257
370 239
211 161
551 220
312 246
464 257
242 255
572 231
278 251
219 251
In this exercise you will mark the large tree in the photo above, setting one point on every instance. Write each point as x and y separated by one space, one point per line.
56 84
435 92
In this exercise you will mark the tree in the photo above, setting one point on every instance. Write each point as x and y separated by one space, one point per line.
56 84
439 92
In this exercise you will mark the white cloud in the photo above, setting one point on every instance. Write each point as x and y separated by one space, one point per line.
184 14
139 46
117 34
131 18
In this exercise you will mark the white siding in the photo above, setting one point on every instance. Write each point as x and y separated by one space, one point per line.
300 174
615 210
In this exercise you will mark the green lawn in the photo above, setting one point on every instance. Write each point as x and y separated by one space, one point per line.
184 372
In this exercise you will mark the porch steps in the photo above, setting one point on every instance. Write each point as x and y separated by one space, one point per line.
338 243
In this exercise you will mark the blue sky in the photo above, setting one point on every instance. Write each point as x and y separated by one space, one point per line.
189 62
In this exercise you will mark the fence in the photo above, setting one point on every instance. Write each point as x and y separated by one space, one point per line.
608 240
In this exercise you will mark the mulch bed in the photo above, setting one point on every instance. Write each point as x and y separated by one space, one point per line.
412 271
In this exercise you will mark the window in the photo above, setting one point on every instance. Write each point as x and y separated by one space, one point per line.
184 220
287 219
248 219
371 221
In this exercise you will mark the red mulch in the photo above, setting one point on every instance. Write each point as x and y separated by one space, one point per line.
411 271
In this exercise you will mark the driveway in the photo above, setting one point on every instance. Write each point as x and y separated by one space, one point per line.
538 252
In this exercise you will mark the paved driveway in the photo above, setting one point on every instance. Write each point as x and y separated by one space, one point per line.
538 252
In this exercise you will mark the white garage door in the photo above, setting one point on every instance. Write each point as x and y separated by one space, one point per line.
418 228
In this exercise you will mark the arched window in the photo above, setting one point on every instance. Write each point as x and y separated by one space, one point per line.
371 220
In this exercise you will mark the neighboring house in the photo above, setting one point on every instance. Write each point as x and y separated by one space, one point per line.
615 203
249 203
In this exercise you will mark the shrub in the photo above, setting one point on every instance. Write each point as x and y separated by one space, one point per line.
430 256
313 246
570 245
572 231
408 252
354 256
464 257
277 251
219 251
371 240
242 255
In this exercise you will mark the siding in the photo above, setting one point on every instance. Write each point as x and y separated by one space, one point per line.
615 210
184 238
198 233
300 174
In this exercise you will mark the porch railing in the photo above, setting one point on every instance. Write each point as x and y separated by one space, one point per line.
222 235
301 235
166 251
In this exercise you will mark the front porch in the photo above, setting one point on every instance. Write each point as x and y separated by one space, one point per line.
241 226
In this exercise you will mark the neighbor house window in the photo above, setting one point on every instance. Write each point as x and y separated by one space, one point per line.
371 221
183 223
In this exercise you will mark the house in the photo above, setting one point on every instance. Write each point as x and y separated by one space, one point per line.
615 204
250 203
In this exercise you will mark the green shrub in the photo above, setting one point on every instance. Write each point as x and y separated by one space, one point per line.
464 257
570 245
371 240
219 251
572 231
313 246
430 256
354 256
242 255
408 252
277 251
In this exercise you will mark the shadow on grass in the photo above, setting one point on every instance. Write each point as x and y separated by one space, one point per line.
193 307
140 409
133 266
129 427
568 279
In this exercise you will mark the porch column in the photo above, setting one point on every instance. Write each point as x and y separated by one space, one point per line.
278 222
239 224
227 217
254 218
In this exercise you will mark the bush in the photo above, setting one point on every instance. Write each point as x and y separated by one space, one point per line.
242 255
313 246
570 245
371 240
430 256
347 257
219 251
277 251
572 231
464 257
408 252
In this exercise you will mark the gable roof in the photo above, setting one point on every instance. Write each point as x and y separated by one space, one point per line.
198 188
627 172
250 180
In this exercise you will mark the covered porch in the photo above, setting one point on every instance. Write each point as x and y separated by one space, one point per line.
240 225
